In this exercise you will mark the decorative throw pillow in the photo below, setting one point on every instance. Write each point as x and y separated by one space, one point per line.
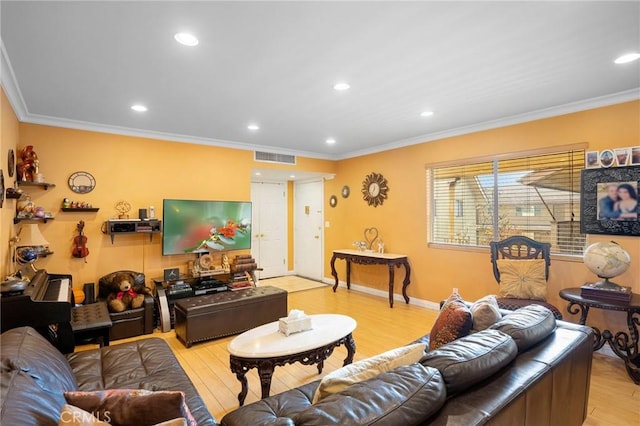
485 312
453 322
522 279
71 415
133 406
74 416
359 371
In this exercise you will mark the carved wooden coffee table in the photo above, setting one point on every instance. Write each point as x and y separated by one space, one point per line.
265 348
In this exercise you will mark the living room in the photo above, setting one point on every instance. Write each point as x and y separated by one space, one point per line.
145 169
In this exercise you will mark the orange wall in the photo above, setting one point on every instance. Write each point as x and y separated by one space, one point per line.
9 136
401 220
140 171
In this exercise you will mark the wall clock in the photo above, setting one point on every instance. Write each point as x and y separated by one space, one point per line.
374 189
82 182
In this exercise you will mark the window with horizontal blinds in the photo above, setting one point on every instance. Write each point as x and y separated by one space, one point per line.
537 196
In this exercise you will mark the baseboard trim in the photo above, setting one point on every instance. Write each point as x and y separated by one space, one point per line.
383 294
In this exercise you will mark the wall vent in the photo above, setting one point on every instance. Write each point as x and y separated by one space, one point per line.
272 157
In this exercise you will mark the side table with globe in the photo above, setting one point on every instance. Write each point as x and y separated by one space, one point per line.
608 260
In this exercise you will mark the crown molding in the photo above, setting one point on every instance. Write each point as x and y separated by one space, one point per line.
10 85
165 136
587 104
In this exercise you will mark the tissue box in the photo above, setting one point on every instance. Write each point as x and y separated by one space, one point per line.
289 326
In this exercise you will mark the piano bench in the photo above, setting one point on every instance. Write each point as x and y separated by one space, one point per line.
91 322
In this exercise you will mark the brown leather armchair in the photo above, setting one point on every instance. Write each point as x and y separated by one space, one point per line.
132 322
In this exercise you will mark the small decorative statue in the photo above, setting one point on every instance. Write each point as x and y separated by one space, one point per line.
380 246
360 245
28 166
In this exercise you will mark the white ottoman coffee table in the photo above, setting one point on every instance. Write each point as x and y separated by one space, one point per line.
265 348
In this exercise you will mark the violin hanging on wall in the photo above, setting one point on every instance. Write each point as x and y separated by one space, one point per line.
80 249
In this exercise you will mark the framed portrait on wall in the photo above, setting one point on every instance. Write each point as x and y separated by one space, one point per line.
609 201
592 159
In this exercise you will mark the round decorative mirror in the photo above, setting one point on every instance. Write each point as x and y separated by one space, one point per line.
82 182
333 201
345 191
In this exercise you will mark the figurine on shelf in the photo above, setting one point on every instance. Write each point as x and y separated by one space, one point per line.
25 208
225 263
28 166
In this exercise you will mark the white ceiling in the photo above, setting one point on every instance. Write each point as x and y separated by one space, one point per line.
475 64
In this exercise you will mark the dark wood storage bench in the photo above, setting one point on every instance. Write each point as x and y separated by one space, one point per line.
222 314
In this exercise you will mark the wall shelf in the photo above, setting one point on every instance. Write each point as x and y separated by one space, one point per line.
147 226
12 195
31 219
44 185
69 209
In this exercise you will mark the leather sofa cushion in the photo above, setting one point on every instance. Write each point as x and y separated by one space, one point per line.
34 375
26 350
141 364
527 325
471 359
407 395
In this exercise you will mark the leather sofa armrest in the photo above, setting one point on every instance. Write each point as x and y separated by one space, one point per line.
148 305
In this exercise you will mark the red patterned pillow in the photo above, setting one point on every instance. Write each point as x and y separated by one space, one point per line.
453 322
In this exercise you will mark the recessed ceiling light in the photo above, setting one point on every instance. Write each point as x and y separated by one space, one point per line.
292 176
331 141
629 57
258 173
253 127
426 113
186 39
341 86
139 108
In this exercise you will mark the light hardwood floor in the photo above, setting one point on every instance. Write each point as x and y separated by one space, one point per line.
614 399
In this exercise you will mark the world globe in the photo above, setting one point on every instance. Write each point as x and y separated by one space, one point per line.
606 260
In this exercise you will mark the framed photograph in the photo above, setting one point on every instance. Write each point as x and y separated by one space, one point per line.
635 155
622 156
607 158
592 159
609 201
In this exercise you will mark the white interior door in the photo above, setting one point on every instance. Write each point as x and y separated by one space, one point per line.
269 228
308 232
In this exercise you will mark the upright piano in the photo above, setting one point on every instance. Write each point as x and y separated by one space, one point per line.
44 305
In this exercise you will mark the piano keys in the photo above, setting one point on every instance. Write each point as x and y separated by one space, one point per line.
46 306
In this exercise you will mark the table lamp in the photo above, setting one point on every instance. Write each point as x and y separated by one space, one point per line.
29 246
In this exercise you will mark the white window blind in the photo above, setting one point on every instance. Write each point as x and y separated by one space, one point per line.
537 196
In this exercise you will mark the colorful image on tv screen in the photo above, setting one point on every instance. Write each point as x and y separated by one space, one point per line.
194 226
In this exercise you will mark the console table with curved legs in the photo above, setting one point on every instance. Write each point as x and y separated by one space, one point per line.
372 258
624 344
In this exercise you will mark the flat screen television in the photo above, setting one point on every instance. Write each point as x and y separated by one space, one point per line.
198 226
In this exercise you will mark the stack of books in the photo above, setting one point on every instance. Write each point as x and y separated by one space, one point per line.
240 272
608 294
243 262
